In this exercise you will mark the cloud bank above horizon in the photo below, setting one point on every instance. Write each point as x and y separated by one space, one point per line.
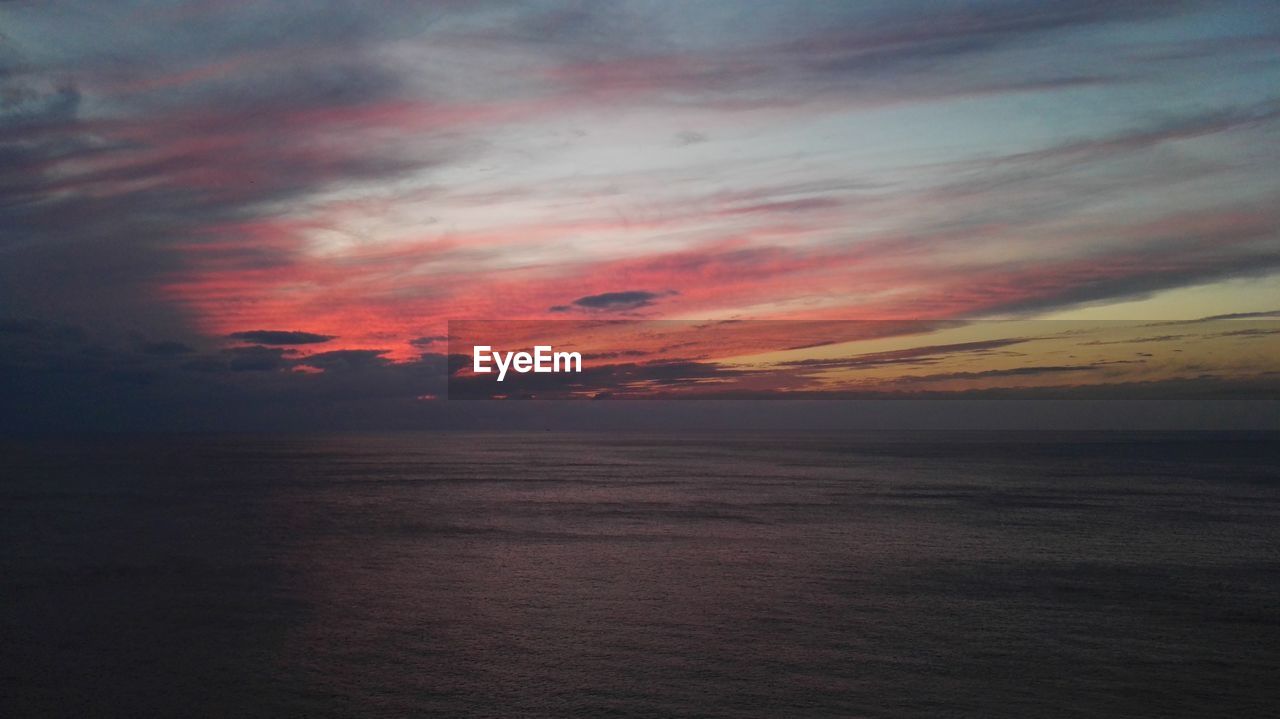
243 186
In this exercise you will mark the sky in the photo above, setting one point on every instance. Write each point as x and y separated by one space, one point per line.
230 215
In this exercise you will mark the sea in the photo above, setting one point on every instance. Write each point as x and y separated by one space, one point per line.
546 574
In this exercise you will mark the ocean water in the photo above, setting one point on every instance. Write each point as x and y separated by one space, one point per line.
553 575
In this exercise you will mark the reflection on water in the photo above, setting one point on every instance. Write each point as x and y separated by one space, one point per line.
591 575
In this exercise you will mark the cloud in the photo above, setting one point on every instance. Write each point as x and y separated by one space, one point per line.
1035 371
256 358
95 381
622 380
929 354
690 137
1243 315
789 206
614 355
863 58
109 188
280 337
345 360
372 173
1248 333
42 330
193 152
167 348
428 341
616 301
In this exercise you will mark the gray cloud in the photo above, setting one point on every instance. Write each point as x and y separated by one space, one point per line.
98 200
618 380
910 52
167 348
1034 371
428 341
121 149
929 354
345 360
626 300
1244 315
690 137
256 358
280 337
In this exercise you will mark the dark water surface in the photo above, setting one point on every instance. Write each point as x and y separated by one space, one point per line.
534 575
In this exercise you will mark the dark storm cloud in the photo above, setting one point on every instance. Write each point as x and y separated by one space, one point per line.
280 337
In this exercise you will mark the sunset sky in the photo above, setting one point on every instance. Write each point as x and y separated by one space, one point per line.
284 200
